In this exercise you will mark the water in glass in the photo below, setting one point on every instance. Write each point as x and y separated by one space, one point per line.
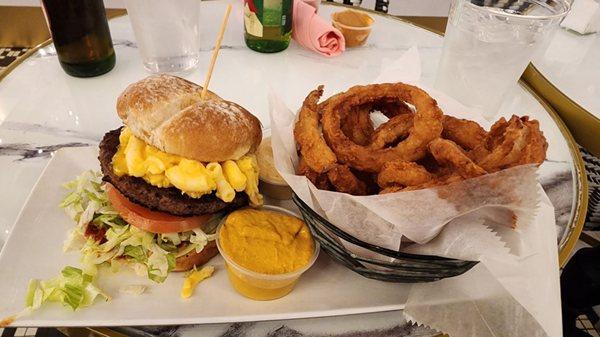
167 33
486 49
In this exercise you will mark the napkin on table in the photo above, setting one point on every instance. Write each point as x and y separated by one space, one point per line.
314 33
313 3
584 17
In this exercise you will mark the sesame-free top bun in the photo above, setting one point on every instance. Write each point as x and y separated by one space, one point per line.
166 111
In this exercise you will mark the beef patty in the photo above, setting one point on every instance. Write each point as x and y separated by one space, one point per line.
170 199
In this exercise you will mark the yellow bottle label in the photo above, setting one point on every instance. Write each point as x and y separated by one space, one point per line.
252 23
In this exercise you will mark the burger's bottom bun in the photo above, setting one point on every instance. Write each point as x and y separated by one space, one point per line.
191 259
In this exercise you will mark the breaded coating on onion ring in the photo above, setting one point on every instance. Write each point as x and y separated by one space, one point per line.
345 181
319 157
505 144
427 125
403 173
468 134
320 180
387 133
448 153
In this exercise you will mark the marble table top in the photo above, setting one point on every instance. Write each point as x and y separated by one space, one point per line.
572 64
43 109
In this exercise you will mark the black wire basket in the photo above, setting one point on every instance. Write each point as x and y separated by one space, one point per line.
401 268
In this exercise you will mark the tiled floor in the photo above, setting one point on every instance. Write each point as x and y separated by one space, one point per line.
584 324
18 332
592 167
30 332
9 54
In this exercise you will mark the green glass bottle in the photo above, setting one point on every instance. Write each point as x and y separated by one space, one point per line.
81 36
268 24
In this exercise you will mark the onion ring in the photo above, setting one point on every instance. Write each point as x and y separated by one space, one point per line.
535 151
392 108
392 130
447 152
391 189
319 157
320 180
427 125
505 145
403 173
345 181
357 124
416 148
468 134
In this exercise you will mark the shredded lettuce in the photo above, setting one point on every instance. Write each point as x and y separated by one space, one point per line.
138 253
88 205
174 238
72 288
159 263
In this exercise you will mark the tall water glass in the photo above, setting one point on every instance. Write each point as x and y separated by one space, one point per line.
488 45
166 32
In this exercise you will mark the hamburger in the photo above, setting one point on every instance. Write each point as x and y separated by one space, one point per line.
168 176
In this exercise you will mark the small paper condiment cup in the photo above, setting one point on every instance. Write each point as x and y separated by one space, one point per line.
259 286
276 189
354 25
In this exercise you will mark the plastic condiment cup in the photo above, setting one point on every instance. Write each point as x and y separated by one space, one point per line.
259 286
354 25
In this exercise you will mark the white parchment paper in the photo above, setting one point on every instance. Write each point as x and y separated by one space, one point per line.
512 292
504 295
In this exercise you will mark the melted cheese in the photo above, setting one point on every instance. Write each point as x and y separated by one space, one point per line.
136 158
249 168
195 277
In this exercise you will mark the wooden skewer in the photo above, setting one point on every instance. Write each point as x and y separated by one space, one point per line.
215 53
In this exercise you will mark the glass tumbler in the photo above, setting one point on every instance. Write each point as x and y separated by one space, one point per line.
167 33
488 44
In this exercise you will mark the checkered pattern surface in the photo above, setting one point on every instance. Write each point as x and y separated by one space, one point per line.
383 5
9 54
584 324
30 332
380 5
592 167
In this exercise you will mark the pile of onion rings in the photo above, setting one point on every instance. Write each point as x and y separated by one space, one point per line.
417 147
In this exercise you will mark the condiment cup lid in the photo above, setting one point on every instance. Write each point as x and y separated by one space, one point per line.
254 274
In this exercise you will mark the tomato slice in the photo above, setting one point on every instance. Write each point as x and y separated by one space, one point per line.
148 220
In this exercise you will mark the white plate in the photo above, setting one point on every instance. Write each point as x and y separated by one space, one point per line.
34 250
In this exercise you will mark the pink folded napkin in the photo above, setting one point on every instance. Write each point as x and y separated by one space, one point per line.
313 3
314 33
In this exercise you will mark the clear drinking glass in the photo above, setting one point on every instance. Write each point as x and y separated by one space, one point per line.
488 44
166 32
